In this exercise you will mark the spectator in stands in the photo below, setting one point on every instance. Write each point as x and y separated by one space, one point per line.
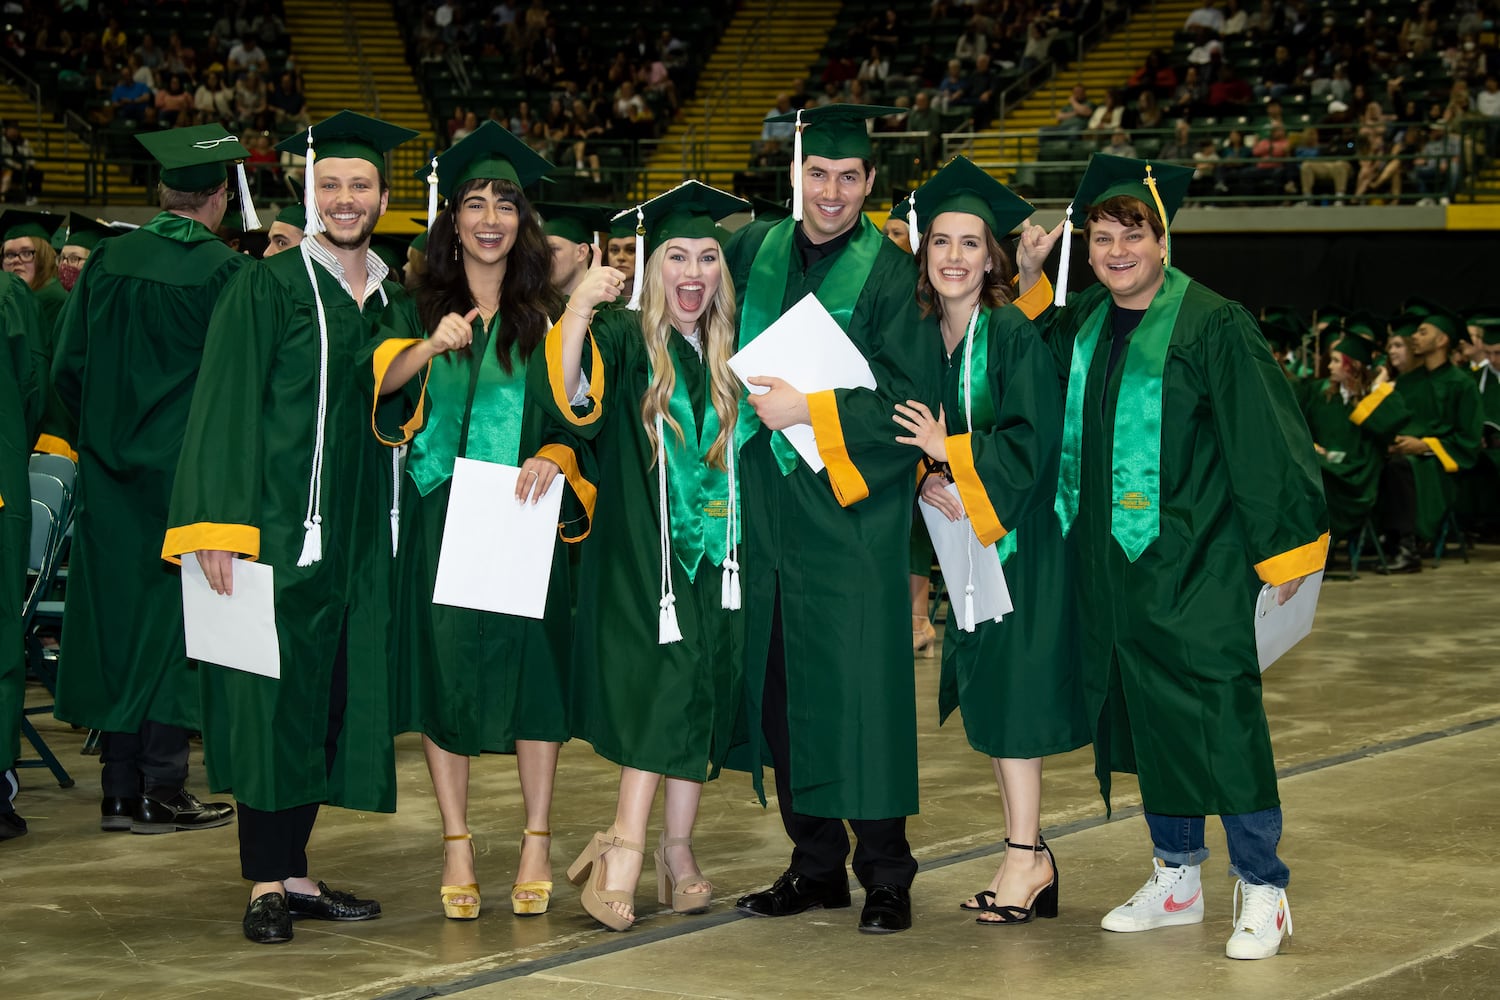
1179 149
1316 162
267 26
1487 104
971 42
247 56
1076 114
1229 94
1234 162
1119 144
1236 21
263 163
1278 76
174 106
18 170
471 122
249 100
112 40
780 131
1108 116
929 67
983 85
150 55
1379 167
1419 31
954 90
1439 165
520 122
139 73
1147 113
1272 154
1205 169
180 59
288 105
629 116
584 129
1039 36
1156 76
130 97
214 99
876 68
214 52
925 120
1207 16
1191 95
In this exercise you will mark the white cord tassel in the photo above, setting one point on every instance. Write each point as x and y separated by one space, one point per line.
1060 299
968 623
397 455
911 223
432 194
314 223
312 542
667 628
248 217
797 169
640 260
729 597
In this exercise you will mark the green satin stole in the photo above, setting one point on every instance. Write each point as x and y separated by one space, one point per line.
765 291
476 410
1135 499
978 400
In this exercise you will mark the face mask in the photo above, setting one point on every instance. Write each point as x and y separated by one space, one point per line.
67 275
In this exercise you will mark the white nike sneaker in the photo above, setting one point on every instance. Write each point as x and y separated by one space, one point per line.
1263 917
1170 897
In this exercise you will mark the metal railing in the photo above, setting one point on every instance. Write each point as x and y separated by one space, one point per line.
33 91
729 87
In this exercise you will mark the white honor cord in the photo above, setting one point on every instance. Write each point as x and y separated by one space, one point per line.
797 168
397 454
912 234
667 628
432 194
968 373
314 223
312 542
729 599
1060 299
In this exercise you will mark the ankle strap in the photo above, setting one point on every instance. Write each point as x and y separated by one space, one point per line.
536 833
1038 848
458 836
675 841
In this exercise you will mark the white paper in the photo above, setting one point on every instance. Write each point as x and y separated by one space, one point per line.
1280 627
237 630
809 350
955 544
497 552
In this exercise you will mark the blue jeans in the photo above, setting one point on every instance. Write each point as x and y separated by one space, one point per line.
1252 837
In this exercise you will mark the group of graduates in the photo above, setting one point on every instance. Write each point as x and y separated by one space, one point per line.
717 598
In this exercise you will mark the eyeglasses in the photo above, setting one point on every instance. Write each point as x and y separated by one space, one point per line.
28 255
72 258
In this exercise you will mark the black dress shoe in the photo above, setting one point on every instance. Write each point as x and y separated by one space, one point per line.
794 893
11 826
331 904
887 909
267 920
181 810
117 812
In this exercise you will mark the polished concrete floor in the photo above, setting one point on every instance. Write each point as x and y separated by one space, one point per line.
1387 729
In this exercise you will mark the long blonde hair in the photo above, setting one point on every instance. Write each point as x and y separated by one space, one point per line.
718 332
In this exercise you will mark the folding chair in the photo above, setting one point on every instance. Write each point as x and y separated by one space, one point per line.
42 561
1449 526
1357 542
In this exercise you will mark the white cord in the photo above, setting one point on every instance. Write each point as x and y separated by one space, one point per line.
1060 298
312 542
729 599
314 223
797 168
397 454
247 203
968 623
640 259
432 194
667 627
911 223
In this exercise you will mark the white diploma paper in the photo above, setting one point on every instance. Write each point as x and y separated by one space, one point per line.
236 630
955 543
1280 627
809 350
497 552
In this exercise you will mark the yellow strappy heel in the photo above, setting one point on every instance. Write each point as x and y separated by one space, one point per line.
541 889
448 893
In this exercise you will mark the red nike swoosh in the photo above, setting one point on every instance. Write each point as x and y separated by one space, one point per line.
1172 906
1280 918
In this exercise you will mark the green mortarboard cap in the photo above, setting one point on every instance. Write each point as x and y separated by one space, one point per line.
1286 316
1419 306
1405 325
691 210
767 210
418 242
193 159
84 231
1279 334
1111 176
294 216
1363 325
836 131
1483 316
622 223
15 224
962 187
1449 323
349 135
577 223
490 152
1329 314
1356 347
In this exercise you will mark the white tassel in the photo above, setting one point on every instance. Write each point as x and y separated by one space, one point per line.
797 169
640 260
968 623
312 541
667 629
1060 298
247 204
911 223
314 224
729 596
432 194
730 586
396 456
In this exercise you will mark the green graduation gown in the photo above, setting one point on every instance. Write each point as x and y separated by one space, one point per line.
1354 437
1171 681
672 708
1019 680
471 680
58 432
242 485
831 551
1480 486
1446 414
129 346
21 391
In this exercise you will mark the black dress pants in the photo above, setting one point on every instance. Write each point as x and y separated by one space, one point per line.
1397 503
820 844
152 759
273 844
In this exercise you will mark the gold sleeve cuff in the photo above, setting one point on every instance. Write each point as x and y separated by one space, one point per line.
385 355
241 538
555 377
848 485
971 491
51 444
1035 300
1295 563
1442 454
585 491
1372 402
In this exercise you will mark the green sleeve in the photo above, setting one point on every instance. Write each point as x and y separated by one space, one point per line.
1267 451
611 337
1466 439
397 417
1381 415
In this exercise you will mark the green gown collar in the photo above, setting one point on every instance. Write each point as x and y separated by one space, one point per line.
179 228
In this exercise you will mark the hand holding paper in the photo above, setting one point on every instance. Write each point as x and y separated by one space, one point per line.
779 405
238 630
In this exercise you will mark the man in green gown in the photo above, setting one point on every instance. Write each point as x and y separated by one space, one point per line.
1481 484
827 668
572 232
1187 482
130 341
279 464
21 395
1441 437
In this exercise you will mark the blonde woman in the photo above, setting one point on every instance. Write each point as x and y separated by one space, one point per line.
656 653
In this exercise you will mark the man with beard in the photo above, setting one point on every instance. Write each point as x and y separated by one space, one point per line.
280 465
129 346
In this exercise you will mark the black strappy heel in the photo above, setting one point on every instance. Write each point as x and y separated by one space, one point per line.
1042 904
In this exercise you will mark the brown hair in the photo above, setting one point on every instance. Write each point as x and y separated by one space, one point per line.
1127 210
994 288
173 200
